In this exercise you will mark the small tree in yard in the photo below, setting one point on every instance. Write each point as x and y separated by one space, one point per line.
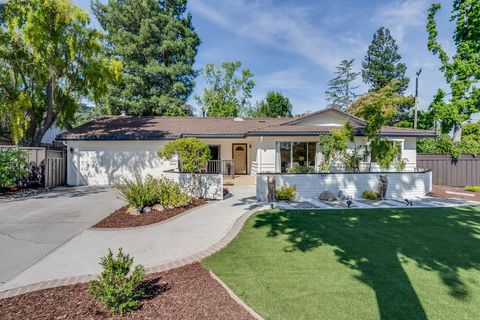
334 147
377 107
114 289
13 166
193 156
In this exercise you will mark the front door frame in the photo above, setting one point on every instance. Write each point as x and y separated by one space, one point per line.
246 157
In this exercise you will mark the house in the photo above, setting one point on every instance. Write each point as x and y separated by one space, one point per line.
102 151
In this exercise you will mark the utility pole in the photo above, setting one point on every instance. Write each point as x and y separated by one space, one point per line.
416 99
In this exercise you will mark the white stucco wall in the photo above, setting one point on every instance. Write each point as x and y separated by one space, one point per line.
400 185
329 118
265 159
210 186
104 162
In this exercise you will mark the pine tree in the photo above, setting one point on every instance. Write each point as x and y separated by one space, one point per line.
157 44
382 63
341 92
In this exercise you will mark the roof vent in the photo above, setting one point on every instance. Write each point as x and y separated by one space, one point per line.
238 119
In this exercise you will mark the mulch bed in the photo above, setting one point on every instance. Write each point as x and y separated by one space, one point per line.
184 293
441 192
121 219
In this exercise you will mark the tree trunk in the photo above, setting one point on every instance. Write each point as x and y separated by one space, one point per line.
457 132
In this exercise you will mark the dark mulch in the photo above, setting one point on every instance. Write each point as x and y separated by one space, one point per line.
184 293
441 192
121 219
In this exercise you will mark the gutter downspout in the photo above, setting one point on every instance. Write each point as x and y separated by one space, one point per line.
260 162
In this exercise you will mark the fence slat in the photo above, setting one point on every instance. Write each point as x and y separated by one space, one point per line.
450 172
52 161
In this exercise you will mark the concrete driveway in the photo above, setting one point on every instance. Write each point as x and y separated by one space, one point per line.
161 244
30 228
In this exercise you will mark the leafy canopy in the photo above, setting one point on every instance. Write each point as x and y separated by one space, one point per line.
341 91
228 90
193 154
50 59
13 166
462 70
157 44
274 105
377 108
334 146
382 63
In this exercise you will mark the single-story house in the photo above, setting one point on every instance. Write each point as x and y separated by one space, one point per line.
104 150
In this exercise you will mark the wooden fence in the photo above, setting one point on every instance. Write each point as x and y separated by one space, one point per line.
448 171
48 166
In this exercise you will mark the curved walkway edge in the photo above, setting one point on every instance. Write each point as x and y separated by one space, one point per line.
229 236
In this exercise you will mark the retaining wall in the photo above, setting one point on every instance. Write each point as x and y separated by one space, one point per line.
400 184
210 185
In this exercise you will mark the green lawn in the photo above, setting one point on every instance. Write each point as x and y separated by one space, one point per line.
357 264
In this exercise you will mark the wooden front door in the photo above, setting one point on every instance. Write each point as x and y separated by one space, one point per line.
239 155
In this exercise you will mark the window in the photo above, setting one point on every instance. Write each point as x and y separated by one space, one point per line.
397 144
290 154
214 152
285 149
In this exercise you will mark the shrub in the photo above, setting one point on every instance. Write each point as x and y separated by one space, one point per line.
114 289
472 188
167 192
13 166
351 161
136 192
443 144
140 193
400 165
300 169
286 193
193 155
370 195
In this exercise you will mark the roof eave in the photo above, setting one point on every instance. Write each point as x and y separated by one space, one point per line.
115 138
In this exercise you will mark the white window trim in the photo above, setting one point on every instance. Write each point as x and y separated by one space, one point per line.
278 160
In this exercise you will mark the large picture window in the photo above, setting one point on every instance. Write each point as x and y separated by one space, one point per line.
291 154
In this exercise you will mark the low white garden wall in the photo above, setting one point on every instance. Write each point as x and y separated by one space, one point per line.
400 184
210 185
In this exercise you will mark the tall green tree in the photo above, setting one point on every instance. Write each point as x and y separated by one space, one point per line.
274 105
157 44
341 91
382 63
462 70
49 60
228 90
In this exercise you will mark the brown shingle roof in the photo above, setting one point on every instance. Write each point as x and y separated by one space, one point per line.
158 128
153 128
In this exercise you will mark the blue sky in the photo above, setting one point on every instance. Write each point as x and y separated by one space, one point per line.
293 46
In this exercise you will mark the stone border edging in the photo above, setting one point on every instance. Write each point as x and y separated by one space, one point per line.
227 238
235 297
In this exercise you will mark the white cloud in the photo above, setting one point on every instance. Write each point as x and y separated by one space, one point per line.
400 16
284 28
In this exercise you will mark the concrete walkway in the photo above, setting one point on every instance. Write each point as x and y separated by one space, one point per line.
160 244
